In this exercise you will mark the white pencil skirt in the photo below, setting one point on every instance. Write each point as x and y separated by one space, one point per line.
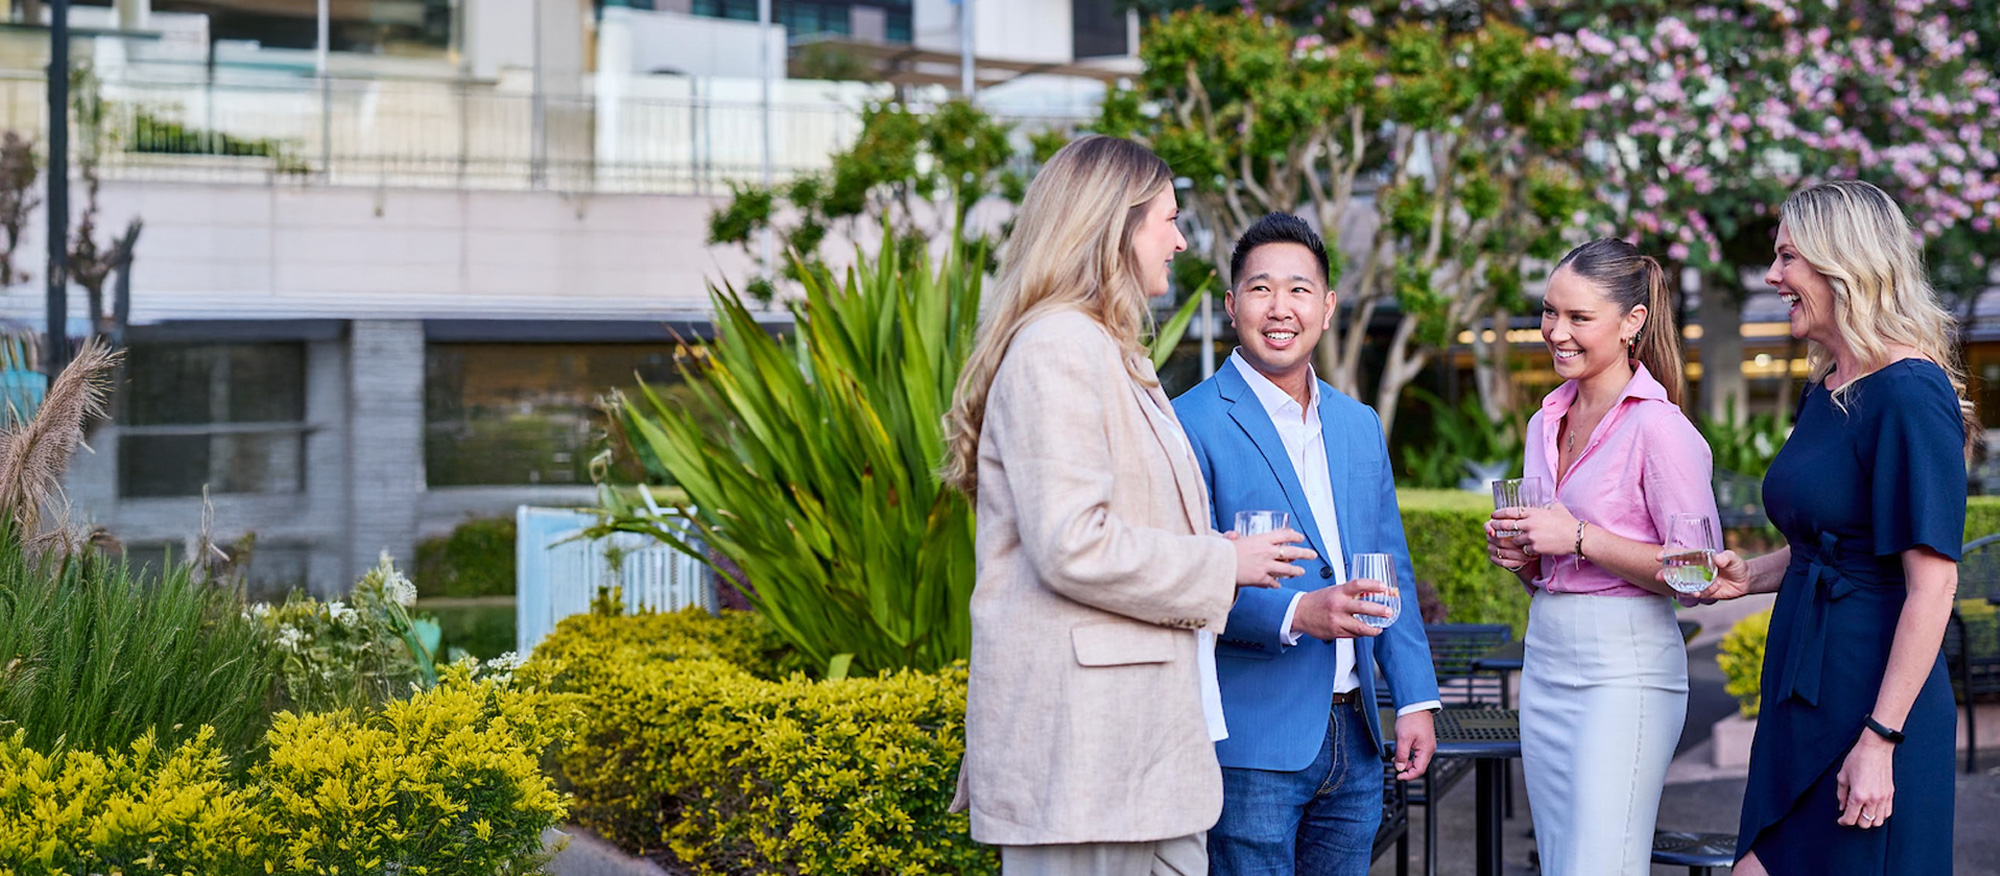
1603 698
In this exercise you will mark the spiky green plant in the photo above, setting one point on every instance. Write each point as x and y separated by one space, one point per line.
810 461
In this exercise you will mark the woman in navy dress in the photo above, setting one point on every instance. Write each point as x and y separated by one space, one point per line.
1851 770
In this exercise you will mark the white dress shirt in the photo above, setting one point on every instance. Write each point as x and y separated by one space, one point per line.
1304 437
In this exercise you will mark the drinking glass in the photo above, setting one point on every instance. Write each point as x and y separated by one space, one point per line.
1378 567
1691 547
1260 522
1518 493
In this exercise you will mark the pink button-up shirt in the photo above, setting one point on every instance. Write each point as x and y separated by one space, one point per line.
1644 464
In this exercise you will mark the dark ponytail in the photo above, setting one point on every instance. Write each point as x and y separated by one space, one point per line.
1631 279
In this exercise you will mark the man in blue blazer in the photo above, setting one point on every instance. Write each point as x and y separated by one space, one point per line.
1302 766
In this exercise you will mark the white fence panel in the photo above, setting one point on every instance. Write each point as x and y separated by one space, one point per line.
558 573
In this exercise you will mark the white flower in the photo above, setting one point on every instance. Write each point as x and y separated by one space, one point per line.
341 614
400 590
289 638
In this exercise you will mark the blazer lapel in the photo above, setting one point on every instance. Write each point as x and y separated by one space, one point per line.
1340 453
1180 455
1250 416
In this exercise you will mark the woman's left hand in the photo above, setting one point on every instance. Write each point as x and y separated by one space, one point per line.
1866 786
1549 531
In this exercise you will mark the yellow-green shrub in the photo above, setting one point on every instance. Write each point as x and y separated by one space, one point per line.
446 783
1742 660
146 810
685 747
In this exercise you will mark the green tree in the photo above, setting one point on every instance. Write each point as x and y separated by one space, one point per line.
1434 148
915 174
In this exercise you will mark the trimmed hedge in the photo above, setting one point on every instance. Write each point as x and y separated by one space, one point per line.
1447 538
690 745
476 559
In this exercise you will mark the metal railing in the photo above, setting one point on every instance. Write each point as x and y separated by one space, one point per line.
440 134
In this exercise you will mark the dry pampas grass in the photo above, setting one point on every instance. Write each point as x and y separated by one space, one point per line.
34 454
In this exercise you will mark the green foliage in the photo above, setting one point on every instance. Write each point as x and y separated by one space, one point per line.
1745 445
482 628
1982 516
1466 124
446 783
1460 436
332 655
93 655
689 745
1742 660
477 559
819 482
1448 549
903 159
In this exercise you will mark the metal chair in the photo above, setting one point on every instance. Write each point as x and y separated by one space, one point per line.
1701 853
1395 829
1972 639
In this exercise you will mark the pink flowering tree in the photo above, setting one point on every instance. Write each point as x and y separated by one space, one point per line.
1702 117
1436 154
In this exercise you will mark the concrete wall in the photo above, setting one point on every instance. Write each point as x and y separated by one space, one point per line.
278 251
641 41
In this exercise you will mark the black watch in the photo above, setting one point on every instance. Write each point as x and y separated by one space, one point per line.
1895 737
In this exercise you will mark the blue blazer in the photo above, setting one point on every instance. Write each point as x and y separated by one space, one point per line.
1276 698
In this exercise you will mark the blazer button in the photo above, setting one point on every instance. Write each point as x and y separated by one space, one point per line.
1326 571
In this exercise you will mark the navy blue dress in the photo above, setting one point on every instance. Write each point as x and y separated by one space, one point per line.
1850 491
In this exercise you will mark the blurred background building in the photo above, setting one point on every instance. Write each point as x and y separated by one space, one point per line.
380 287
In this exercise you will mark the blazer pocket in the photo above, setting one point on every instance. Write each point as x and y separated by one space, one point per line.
1122 643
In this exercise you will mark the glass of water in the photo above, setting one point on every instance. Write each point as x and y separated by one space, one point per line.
1518 493
1378 567
1691 547
1260 522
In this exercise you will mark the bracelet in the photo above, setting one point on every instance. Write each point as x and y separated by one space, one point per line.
1577 553
1895 737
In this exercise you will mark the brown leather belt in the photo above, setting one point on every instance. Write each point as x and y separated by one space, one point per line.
1342 698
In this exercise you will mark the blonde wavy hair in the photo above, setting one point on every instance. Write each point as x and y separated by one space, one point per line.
1857 237
1071 248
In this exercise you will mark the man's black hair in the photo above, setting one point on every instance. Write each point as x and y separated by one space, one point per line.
1278 228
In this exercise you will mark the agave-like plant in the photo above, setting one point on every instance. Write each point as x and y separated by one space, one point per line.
810 462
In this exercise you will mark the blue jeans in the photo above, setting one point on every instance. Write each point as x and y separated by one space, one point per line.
1320 820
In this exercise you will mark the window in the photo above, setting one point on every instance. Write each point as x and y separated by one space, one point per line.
392 27
1098 28
808 17
513 413
227 416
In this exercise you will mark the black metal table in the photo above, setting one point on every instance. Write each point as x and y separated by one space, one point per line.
1491 737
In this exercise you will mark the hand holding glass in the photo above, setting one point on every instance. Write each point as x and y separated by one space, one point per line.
1518 493
1690 554
1378 567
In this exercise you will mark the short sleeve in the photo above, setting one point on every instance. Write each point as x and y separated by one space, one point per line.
1918 478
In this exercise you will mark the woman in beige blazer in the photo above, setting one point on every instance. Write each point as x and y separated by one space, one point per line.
1092 709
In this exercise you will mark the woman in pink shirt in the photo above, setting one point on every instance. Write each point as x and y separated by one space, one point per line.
1604 688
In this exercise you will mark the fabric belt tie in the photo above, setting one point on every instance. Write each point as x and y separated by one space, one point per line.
1825 583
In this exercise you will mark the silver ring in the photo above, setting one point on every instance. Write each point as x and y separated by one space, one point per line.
1866 817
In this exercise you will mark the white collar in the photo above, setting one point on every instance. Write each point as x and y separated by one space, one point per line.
1278 403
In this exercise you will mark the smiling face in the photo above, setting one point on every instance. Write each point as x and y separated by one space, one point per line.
1805 291
1156 241
1280 306
1585 330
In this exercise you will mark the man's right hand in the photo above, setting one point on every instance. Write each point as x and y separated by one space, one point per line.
1329 612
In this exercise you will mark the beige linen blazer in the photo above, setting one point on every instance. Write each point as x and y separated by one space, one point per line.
1097 563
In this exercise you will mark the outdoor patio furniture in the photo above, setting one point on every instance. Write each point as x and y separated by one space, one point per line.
1456 654
1701 853
1491 739
1972 639
1395 829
